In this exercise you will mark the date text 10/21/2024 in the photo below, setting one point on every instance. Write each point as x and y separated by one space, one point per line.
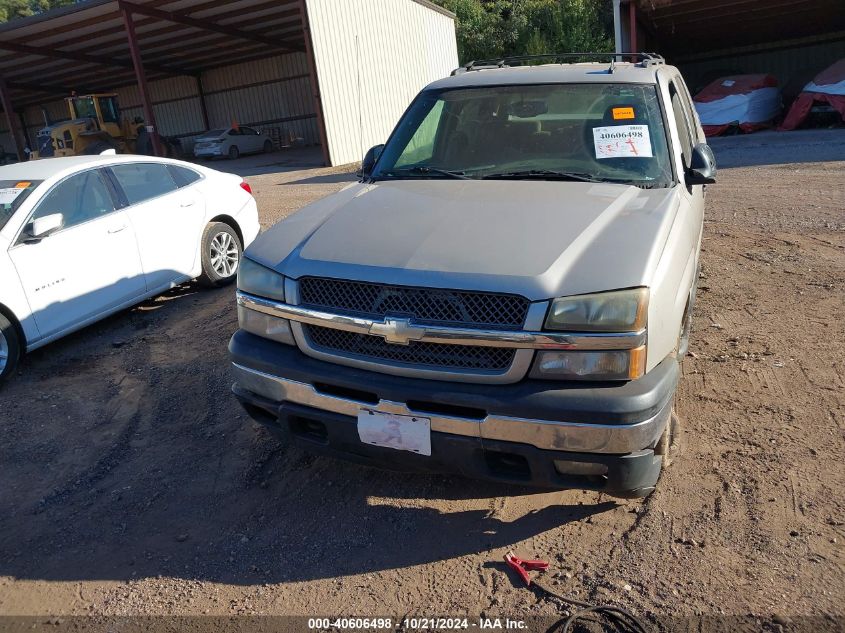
416 624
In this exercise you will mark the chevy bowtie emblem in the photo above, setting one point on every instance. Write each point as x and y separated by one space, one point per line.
397 331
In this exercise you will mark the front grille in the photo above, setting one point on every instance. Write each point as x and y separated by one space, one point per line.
416 353
426 306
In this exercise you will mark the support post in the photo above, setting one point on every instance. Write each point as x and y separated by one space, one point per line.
6 98
617 27
24 131
315 86
203 107
632 25
135 52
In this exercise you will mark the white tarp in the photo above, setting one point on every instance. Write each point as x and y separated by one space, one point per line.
758 106
828 89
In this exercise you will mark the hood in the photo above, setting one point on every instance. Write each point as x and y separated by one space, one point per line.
539 239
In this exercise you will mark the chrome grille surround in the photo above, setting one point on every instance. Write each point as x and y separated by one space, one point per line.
414 354
425 306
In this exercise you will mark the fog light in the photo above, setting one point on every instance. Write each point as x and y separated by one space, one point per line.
265 325
615 365
584 469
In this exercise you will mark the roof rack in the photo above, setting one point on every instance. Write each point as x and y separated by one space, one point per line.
644 60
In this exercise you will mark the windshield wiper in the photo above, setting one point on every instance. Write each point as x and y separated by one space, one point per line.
542 174
424 171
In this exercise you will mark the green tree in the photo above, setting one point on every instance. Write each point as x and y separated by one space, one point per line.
495 28
12 9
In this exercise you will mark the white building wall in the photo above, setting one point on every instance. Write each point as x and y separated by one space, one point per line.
373 57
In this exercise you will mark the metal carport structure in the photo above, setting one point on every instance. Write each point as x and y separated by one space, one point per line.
792 39
193 51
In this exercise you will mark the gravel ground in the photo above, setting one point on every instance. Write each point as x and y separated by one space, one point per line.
133 484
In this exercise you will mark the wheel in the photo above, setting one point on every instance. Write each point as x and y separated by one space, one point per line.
10 348
234 152
667 440
221 254
686 322
683 336
268 146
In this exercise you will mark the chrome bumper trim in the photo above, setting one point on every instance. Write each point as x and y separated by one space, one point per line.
447 335
543 434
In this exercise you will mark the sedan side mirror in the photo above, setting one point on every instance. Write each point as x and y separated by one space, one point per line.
702 169
370 161
43 227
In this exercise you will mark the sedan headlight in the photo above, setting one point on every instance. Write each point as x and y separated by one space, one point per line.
617 311
259 280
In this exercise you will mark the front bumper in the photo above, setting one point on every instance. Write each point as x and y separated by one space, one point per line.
531 432
208 151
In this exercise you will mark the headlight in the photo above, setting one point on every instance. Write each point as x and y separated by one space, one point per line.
615 365
260 281
617 311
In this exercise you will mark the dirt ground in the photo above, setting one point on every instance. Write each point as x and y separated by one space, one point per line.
133 484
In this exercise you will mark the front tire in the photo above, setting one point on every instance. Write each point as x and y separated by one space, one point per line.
268 146
97 147
234 152
10 348
221 255
668 440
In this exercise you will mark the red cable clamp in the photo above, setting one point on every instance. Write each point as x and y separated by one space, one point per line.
522 567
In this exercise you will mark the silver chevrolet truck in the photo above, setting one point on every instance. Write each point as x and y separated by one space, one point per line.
507 291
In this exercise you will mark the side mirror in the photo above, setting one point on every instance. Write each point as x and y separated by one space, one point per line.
43 227
702 169
370 161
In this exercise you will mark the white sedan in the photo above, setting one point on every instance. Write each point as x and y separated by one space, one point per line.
83 237
232 143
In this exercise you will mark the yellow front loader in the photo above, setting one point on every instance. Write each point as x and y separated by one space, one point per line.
95 126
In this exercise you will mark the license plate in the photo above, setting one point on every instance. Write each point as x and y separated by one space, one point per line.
401 432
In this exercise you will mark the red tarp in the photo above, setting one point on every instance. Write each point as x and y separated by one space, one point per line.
827 87
748 101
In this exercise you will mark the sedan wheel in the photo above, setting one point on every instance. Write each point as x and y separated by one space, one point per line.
4 352
224 254
234 152
10 347
221 254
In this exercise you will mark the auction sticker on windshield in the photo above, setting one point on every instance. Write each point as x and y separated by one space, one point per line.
622 141
8 194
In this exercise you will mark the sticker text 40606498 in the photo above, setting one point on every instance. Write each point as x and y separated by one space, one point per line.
622 141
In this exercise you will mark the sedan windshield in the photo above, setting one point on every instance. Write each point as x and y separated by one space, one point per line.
12 195
583 132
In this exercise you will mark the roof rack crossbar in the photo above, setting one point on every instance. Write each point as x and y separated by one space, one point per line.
645 59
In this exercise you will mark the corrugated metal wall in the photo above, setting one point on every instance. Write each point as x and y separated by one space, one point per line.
371 63
273 92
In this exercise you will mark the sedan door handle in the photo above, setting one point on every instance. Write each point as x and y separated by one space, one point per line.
187 203
116 229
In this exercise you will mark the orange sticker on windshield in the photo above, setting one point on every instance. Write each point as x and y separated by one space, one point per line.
623 113
22 185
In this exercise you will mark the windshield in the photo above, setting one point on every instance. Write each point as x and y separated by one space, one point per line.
601 132
83 108
12 195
